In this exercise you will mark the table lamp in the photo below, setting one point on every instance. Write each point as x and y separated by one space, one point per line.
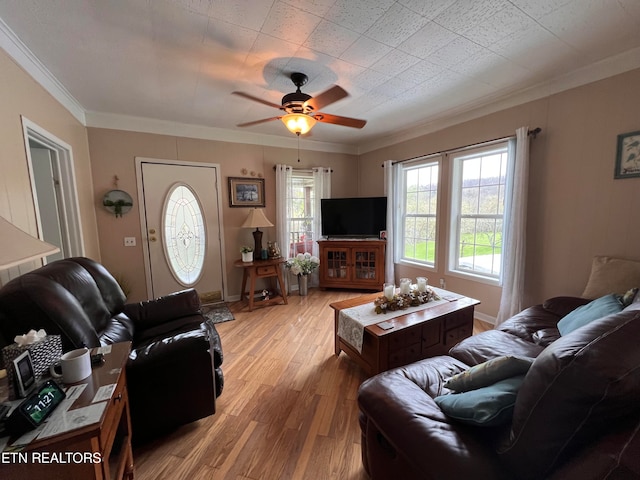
17 246
255 220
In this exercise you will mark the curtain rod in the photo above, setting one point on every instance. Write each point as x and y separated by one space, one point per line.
534 133
305 170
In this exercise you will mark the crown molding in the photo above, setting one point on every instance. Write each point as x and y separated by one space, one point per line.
594 72
21 54
163 127
25 58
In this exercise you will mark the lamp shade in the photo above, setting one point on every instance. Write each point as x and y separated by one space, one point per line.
18 247
298 123
256 219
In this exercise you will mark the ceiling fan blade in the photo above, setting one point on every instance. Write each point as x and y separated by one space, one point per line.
257 99
338 120
333 94
257 122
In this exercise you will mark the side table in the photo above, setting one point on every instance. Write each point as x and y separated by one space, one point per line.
271 268
91 439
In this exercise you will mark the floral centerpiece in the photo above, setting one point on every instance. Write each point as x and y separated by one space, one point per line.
402 301
303 264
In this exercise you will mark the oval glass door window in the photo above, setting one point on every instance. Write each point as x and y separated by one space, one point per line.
184 234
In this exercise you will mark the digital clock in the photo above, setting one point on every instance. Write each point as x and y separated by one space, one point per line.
35 409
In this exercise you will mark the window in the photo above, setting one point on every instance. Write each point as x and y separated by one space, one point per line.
300 213
477 211
184 237
419 212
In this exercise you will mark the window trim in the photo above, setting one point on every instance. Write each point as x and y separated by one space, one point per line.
425 161
455 159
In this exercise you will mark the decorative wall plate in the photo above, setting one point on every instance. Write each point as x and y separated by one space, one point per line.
117 202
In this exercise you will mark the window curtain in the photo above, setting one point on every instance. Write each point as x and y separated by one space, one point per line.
514 244
391 178
284 193
321 189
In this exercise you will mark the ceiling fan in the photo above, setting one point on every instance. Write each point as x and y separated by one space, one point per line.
302 109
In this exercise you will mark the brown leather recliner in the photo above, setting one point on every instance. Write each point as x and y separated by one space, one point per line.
576 414
174 370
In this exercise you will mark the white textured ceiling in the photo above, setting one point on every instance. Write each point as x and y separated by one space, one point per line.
405 63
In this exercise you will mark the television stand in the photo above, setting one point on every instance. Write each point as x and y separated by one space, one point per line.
352 263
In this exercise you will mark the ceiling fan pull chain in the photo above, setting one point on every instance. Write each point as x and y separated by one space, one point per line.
298 147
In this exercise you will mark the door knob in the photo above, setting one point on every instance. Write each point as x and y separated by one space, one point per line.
152 239
152 231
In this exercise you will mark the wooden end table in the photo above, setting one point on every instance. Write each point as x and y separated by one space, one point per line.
414 336
271 268
72 452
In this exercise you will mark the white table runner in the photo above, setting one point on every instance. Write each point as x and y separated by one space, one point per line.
352 321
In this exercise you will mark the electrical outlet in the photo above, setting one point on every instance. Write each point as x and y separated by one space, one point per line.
129 241
442 284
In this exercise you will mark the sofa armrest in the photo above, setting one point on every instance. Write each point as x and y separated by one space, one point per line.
562 306
150 313
403 422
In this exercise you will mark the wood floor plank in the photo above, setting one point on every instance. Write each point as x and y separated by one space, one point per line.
230 462
288 409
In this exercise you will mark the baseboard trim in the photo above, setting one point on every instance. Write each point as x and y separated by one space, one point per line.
484 317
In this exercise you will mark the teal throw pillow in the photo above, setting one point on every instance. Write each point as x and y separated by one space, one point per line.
486 406
586 314
489 372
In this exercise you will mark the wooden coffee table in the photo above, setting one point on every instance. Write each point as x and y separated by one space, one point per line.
414 336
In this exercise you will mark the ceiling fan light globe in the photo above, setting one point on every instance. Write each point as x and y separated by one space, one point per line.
298 123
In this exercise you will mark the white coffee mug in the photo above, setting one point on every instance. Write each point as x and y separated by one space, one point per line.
75 366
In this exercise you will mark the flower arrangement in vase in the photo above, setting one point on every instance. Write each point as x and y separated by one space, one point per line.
303 264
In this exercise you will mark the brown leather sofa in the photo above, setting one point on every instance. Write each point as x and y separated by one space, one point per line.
576 414
174 370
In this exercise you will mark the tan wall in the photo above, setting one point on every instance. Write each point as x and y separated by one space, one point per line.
576 208
21 95
113 152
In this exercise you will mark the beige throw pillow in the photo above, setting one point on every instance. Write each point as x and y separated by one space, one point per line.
611 275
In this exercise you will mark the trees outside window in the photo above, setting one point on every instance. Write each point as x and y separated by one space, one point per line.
419 213
478 189
472 232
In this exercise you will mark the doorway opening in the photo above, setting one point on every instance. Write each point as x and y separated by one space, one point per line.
53 187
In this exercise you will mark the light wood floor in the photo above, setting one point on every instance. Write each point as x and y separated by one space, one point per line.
288 409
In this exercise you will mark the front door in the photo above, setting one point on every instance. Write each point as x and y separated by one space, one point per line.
181 227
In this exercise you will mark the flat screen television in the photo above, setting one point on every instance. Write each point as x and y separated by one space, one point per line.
353 217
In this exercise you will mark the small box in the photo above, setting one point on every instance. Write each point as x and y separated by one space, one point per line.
43 354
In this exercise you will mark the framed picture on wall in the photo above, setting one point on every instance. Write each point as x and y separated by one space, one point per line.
246 192
628 155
